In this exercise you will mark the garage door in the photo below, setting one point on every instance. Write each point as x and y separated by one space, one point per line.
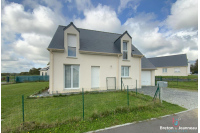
146 78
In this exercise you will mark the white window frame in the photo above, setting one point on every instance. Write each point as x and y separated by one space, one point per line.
177 70
164 70
124 71
72 77
69 45
123 50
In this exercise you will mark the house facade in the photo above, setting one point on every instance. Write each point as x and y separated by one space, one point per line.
93 60
174 65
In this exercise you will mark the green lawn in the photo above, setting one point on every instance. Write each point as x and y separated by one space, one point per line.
180 77
187 85
64 114
184 85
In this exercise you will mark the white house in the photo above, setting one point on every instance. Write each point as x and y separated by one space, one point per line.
89 59
44 71
174 65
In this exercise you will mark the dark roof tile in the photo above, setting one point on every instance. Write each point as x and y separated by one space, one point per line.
170 61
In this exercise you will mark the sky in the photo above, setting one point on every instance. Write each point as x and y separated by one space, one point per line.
157 27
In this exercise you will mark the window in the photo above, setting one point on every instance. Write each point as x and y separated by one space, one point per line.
71 76
71 42
125 51
177 70
164 70
125 71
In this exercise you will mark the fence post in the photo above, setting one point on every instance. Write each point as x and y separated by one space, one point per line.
136 87
127 96
159 91
121 83
83 102
177 80
23 108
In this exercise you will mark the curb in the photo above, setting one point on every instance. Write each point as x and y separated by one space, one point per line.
126 124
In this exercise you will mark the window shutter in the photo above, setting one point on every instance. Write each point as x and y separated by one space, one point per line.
71 40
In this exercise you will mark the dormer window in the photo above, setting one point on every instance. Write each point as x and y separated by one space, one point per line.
72 43
125 51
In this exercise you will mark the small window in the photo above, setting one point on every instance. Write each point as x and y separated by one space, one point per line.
125 71
177 70
71 42
125 51
164 70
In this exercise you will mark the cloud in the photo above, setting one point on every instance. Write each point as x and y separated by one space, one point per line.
26 35
128 3
83 4
146 36
42 20
101 18
184 14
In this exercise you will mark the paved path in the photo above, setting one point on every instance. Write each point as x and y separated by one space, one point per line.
184 98
186 119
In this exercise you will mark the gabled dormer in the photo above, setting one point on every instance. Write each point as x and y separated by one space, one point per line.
71 40
124 43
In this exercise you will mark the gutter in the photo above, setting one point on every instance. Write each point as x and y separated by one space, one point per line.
98 53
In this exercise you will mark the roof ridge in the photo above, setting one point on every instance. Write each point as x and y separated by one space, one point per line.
100 31
166 56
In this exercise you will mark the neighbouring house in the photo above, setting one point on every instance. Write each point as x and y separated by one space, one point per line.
148 73
44 71
174 65
89 59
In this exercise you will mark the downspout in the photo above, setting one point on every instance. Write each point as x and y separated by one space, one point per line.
52 72
118 79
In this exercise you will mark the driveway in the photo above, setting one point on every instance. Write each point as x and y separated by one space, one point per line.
185 120
184 98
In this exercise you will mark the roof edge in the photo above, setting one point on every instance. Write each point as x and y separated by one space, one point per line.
137 55
94 52
123 35
71 23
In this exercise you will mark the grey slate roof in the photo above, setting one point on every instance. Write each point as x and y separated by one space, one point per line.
44 69
91 40
170 61
57 41
146 64
97 41
135 51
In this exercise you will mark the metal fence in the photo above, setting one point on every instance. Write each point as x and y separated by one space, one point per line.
22 111
21 79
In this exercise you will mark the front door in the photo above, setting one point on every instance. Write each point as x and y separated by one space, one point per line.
95 76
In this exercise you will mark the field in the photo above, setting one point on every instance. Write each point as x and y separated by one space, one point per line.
181 77
187 84
65 113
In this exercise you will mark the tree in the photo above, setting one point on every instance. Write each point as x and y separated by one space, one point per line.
194 68
34 71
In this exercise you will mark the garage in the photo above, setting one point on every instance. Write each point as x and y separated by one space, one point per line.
146 78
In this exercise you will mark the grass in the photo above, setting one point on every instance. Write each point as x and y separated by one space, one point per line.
180 77
64 114
184 85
